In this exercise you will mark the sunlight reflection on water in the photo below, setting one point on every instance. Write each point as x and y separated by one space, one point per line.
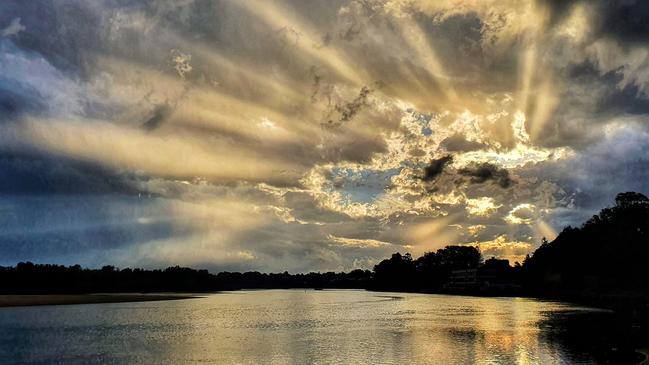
288 326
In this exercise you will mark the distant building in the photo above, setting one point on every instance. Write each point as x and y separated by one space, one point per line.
495 275
463 280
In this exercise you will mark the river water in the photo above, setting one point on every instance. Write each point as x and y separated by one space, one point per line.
293 327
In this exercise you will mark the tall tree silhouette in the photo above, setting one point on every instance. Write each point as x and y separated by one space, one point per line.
429 272
607 254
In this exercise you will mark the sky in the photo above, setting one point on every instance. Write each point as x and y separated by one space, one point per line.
313 135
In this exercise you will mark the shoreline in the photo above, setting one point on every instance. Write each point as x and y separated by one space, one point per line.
29 300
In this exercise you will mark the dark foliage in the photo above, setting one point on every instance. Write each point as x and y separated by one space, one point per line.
27 277
606 257
34 278
401 273
428 273
355 279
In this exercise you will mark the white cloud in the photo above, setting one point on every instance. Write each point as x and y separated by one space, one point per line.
354 242
483 206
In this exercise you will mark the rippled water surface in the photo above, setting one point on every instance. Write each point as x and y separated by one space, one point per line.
290 327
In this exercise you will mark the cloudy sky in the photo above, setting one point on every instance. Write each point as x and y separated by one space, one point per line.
312 135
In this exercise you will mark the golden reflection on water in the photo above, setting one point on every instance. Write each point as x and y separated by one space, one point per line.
288 327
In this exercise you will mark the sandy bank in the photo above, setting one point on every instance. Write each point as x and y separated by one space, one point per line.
58 299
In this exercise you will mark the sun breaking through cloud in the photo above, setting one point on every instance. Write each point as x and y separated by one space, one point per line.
319 135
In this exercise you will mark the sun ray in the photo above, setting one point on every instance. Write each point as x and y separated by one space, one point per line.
420 44
276 17
242 76
210 109
526 74
545 103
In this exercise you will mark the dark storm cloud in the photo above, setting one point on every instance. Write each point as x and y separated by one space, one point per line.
436 167
18 96
484 172
74 229
16 99
457 143
42 63
34 173
76 244
590 100
614 164
602 86
626 21
607 98
61 31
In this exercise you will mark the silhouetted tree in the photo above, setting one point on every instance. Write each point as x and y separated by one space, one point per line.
395 273
429 272
434 268
607 254
27 277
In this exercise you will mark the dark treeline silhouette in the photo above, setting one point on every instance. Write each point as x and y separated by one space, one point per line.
602 263
355 279
453 269
29 278
428 272
604 259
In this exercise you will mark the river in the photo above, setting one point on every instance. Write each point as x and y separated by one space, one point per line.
294 327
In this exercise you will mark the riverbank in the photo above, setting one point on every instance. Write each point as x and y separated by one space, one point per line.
61 299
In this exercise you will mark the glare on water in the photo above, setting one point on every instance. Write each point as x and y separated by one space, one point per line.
289 327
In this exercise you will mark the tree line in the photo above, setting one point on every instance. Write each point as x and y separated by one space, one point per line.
398 273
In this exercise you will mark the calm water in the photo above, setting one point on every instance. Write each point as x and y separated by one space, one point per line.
291 327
